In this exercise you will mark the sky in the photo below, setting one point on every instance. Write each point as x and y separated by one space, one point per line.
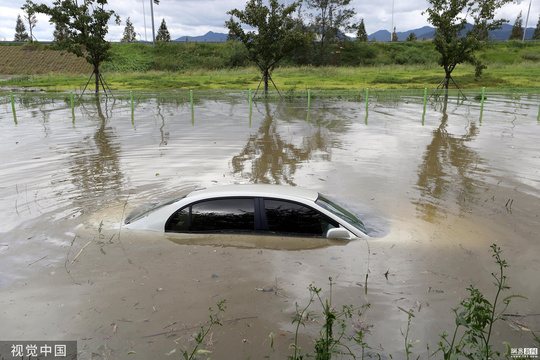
197 17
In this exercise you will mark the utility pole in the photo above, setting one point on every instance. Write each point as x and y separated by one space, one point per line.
153 29
526 21
392 20
144 19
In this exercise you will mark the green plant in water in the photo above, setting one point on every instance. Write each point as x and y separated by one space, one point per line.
477 316
408 346
203 332
333 337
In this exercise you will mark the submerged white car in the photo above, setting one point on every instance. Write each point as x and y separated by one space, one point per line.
252 210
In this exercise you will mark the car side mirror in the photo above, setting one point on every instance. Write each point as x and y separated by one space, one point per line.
338 233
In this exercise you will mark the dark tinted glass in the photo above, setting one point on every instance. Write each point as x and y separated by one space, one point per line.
223 215
179 222
292 218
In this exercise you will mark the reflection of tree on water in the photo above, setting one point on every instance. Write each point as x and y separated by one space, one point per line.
164 135
97 170
447 171
272 159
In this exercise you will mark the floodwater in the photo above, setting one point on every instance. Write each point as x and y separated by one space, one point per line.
434 192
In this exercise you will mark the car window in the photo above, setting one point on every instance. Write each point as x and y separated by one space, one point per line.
341 212
179 221
286 217
227 215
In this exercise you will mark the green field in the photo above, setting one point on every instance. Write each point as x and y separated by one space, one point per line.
403 65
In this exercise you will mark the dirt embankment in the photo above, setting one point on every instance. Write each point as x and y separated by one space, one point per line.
35 60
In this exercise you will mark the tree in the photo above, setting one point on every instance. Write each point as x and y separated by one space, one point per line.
517 29
20 31
536 34
163 33
86 26
129 32
60 33
455 43
394 35
230 35
330 23
277 34
30 16
411 37
361 34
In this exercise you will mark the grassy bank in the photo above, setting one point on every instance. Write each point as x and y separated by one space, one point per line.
297 78
408 65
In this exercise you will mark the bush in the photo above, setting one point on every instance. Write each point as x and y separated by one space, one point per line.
532 56
410 56
358 53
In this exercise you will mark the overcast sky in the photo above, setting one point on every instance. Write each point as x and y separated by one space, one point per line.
197 17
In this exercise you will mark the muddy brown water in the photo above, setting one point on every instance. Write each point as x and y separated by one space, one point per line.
434 197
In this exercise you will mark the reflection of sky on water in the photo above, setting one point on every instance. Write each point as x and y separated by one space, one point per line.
105 156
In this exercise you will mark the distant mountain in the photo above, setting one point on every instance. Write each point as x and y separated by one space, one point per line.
426 32
381 35
208 37
506 30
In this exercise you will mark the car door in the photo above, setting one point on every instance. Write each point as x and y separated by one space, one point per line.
289 218
221 215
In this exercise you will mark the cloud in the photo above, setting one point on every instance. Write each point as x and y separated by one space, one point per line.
197 17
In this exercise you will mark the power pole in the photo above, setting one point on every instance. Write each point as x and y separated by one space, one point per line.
526 21
392 20
144 19
153 29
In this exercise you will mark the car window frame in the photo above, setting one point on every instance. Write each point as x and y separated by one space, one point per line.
189 231
264 221
260 220
349 218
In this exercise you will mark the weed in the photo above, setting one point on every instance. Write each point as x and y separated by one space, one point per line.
471 338
408 346
333 337
214 320
477 316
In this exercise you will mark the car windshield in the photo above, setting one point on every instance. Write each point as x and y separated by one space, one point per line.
145 209
341 212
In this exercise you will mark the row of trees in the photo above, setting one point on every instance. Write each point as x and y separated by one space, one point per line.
131 36
163 34
279 30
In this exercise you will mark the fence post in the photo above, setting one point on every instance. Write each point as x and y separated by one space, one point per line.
482 103
425 100
132 107
13 106
250 107
309 99
367 98
192 111
72 106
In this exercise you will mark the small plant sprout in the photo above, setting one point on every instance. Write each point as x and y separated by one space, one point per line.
203 332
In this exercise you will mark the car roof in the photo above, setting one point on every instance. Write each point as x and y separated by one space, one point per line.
262 190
